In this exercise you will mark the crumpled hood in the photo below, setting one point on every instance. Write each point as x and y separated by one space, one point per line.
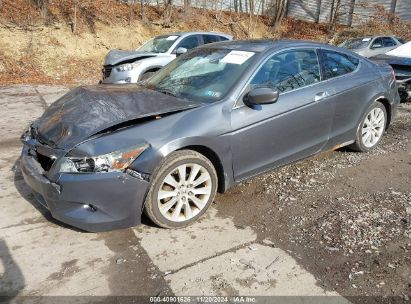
117 56
88 110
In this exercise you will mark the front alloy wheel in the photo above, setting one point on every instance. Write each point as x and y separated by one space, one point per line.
182 189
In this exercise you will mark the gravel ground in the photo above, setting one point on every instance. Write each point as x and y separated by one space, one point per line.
345 215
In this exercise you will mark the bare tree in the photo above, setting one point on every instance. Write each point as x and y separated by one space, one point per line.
250 20
74 29
338 10
168 10
187 6
142 4
279 10
43 6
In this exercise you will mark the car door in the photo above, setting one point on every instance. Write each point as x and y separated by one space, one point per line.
352 86
376 48
294 127
389 44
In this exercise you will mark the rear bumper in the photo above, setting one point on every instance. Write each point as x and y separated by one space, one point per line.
92 202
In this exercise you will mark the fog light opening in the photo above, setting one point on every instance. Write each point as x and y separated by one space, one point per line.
90 207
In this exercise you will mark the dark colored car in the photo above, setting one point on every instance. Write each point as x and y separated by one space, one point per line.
101 155
400 60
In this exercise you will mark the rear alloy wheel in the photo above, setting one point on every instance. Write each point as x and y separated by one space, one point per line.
372 128
182 189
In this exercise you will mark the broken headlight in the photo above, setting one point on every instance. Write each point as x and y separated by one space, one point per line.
110 162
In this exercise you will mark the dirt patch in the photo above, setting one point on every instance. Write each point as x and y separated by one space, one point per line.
130 266
345 216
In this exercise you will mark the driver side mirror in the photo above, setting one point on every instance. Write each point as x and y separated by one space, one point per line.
181 51
260 96
376 46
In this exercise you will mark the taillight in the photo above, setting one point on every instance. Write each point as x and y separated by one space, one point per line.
393 74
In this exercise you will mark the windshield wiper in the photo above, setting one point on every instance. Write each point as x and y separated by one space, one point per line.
167 92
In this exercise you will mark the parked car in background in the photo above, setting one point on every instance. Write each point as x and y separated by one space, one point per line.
132 66
400 61
220 114
372 45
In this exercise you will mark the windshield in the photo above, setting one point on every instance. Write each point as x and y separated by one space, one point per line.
354 44
160 44
205 75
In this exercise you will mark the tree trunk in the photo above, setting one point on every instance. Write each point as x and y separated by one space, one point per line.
143 17
251 10
187 6
75 17
168 6
280 9
351 13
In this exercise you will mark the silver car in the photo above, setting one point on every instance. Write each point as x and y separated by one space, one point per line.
132 66
372 45
102 155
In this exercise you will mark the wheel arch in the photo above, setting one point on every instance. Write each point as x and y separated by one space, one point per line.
215 160
387 106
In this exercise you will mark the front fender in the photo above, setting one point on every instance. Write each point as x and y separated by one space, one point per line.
151 159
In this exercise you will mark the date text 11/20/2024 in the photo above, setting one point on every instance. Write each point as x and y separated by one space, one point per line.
203 299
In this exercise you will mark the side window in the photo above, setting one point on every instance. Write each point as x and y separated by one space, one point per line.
189 43
387 42
210 39
336 64
222 38
288 71
377 43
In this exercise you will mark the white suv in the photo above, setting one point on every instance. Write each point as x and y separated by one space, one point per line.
133 66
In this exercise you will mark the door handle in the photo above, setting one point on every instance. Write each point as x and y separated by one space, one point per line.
321 96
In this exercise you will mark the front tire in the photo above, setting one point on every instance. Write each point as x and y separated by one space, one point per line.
182 189
371 128
147 75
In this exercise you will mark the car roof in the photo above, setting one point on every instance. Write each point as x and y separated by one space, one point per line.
198 33
371 37
262 45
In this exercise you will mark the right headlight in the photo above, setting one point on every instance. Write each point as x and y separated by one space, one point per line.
127 66
111 162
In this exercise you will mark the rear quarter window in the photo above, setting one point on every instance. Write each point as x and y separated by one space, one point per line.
336 64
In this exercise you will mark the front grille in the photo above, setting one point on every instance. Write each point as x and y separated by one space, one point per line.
45 161
107 71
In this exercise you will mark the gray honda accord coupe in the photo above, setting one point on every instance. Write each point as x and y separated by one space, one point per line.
101 156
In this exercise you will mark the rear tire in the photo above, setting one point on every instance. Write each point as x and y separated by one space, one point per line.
371 128
182 189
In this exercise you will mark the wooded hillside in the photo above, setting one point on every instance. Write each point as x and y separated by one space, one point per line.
65 41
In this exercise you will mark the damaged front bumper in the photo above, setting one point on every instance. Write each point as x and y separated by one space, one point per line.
112 76
89 201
